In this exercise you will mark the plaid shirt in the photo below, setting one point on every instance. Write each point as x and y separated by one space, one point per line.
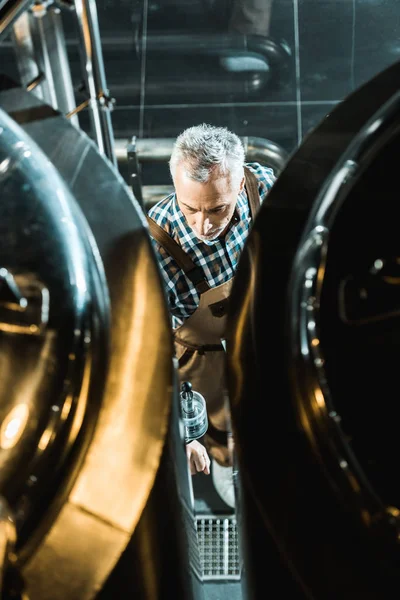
218 258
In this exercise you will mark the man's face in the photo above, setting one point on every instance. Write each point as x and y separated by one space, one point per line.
208 207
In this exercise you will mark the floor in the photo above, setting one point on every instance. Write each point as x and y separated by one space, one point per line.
208 503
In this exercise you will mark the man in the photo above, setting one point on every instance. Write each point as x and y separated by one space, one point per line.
198 234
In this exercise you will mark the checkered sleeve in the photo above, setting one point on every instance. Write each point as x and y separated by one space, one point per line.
266 178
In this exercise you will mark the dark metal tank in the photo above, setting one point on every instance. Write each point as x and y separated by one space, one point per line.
313 354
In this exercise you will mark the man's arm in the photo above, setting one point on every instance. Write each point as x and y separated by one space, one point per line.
265 177
198 459
197 456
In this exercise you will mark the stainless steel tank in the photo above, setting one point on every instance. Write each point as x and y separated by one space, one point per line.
91 438
313 349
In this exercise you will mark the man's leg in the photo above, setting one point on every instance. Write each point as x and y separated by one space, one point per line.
219 445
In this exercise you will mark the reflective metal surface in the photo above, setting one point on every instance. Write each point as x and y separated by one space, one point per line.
47 336
40 50
7 546
159 150
312 350
100 102
106 488
366 298
10 11
163 557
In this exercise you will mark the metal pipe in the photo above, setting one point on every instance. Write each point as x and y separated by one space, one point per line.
220 44
266 152
40 50
37 24
92 58
53 61
10 11
257 149
153 193
25 55
32 85
148 150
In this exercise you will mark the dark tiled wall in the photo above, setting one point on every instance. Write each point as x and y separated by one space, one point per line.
334 46
342 44
162 86
178 88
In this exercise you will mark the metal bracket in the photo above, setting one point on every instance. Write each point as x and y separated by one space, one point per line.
134 168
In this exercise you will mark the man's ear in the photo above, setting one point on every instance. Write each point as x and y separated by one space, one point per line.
242 184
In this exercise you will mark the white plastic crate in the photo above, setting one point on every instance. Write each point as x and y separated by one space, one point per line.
218 545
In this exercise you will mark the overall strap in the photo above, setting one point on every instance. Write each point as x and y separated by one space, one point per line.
251 184
193 273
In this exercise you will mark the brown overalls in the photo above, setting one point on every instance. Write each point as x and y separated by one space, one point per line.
198 346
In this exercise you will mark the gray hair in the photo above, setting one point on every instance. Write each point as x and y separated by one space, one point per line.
205 149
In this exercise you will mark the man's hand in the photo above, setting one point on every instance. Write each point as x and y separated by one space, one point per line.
198 458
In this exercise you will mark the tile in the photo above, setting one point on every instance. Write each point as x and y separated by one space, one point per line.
325 48
9 67
282 30
125 121
276 122
118 23
181 15
376 37
192 58
343 43
201 79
